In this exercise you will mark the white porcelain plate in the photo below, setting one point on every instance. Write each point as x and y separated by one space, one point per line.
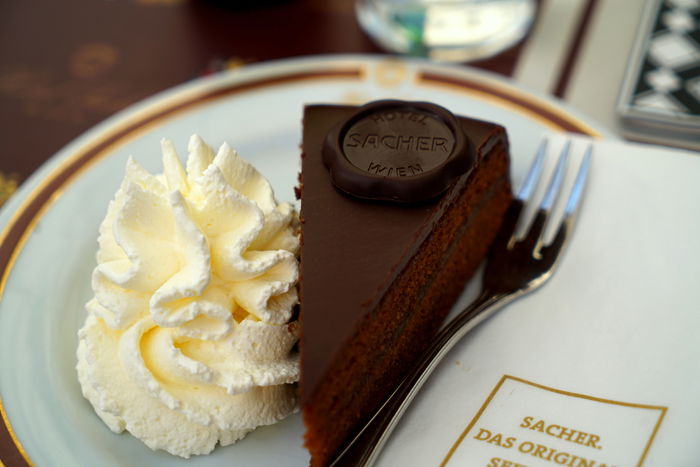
49 229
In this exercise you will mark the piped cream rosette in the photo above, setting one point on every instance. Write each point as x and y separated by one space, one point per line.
188 338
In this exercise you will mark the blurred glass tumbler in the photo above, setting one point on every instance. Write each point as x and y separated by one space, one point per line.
446 30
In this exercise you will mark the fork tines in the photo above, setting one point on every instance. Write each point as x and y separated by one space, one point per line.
543 213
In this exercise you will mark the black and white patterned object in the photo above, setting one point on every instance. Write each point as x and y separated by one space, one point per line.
667 86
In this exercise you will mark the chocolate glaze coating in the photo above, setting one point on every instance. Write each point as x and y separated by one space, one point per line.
353 249
397 151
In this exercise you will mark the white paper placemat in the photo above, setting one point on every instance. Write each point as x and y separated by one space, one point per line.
600 367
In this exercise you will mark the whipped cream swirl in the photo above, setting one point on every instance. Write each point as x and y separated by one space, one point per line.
188 339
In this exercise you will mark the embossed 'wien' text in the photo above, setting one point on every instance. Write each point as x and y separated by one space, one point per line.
398 142
401 171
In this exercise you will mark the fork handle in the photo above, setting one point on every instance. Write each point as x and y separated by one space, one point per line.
364 448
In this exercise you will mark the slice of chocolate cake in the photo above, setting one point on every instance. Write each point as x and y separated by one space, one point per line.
399 204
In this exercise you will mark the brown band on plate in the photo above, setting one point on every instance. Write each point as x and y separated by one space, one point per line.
536 107
13 455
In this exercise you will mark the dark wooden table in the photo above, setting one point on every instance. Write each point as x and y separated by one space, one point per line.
67 65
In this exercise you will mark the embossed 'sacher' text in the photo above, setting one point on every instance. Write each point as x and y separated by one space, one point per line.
397 142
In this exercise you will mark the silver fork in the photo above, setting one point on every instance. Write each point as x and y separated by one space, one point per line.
514 267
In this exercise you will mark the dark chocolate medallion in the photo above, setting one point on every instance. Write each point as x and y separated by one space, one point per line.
397 151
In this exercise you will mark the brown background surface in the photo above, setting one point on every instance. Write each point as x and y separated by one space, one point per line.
67 65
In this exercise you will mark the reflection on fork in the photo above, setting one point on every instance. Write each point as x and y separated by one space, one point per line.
515 265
